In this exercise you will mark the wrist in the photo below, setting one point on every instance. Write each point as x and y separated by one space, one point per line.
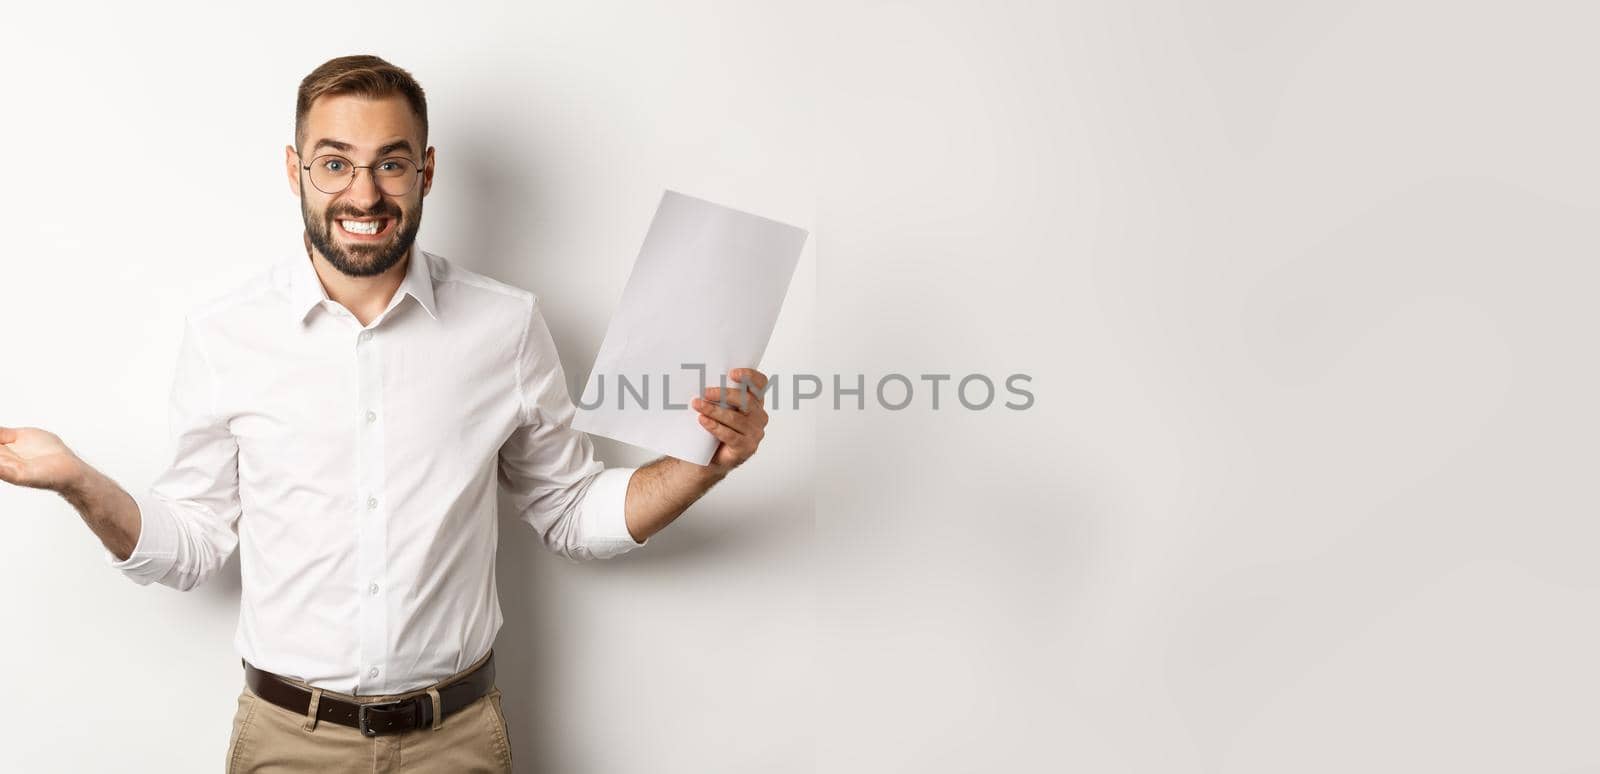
75 485
704 475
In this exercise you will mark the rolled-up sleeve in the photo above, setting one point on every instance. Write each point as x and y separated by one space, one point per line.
574 503
189 516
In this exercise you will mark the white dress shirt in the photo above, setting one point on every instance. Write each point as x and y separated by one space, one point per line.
356 468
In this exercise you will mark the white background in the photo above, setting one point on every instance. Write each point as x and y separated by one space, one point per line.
1304 290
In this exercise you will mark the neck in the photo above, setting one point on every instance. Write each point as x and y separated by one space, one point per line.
365 297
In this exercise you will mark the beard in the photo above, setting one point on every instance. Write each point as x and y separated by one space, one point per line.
362 259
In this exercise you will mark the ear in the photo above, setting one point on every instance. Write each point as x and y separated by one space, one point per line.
427 171
291 166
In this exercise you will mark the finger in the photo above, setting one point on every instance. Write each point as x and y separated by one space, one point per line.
733 418
750 427
749 374
725 434
739 398
755 411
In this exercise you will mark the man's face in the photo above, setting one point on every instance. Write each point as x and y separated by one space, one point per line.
362 230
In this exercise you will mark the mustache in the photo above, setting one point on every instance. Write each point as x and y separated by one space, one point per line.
382 210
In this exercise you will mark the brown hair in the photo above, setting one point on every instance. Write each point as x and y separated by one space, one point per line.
365 75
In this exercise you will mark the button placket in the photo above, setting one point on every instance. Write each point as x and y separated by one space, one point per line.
372 520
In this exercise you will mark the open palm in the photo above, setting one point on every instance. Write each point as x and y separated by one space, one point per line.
35 458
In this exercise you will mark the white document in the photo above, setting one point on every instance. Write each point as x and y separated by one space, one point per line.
705 291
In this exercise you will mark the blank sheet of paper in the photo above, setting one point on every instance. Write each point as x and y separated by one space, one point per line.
705 291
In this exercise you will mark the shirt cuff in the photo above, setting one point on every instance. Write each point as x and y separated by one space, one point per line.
605 514
156 550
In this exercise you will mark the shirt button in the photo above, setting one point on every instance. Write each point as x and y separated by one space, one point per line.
373 672
366 335
372 589
372 502
372 416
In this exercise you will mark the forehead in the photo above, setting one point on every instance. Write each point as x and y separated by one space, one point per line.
364 122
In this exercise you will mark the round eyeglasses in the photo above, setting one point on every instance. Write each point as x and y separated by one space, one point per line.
332 174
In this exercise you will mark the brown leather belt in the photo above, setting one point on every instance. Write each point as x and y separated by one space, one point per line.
374 719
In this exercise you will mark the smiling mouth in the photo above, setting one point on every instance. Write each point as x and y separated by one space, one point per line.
365 228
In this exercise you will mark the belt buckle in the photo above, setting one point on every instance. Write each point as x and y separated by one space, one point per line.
361 714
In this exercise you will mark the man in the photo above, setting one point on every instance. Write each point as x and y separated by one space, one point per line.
344 419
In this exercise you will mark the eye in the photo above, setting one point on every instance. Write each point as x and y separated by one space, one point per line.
335 165
389 166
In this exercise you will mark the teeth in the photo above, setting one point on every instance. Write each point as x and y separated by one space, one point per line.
358 227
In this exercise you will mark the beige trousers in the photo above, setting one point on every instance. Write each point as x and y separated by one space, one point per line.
268 739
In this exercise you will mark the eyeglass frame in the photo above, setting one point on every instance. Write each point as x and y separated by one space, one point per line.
421 168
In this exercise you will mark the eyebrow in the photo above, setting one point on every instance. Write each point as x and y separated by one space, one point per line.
334 144
344 147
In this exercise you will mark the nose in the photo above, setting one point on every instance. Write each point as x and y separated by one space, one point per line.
363 191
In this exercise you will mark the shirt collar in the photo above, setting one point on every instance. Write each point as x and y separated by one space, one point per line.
306 291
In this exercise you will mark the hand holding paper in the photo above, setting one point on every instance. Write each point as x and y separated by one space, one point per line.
736 416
